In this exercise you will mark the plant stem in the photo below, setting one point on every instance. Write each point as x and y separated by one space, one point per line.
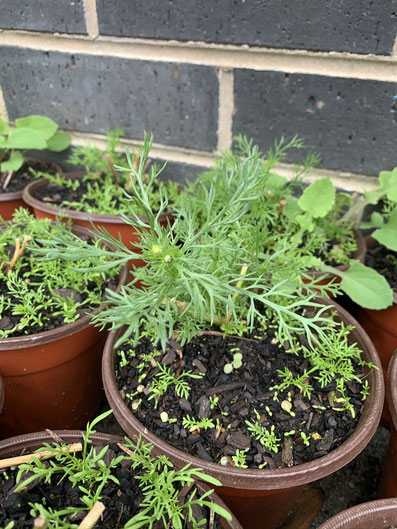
18 251
114 172
15 461
7 179
93 516
240 282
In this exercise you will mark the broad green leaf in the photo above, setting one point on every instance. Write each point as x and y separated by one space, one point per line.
275 181
44 126
305 221
59 142
14 162
388 181
376 221
4 128
387 234
291 209
26 139
372 197
318 198
366 287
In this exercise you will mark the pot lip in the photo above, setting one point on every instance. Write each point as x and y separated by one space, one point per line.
30 439
41 338
368 510
17 195
359 254
392 388
261 478
56 211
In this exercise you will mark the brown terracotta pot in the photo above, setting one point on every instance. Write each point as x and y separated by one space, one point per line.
112 223
27 443
261 499
359 255
9 202
380 514
388 484
381 327
52 379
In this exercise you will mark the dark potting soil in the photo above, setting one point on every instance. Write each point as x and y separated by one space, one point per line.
23 176
49 321
383 261
243 395
121 501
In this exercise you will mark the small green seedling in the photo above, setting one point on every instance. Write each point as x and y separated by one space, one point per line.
305 438
236 364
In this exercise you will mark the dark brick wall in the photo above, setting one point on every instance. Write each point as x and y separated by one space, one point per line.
178 102
63 16
365 26
351 123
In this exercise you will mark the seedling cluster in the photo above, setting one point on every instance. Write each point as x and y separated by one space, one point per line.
39 294
91 470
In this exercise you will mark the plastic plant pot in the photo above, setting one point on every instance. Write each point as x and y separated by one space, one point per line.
27 443
112 223
380 514
381 327
11 201
261 499
52 379
388 484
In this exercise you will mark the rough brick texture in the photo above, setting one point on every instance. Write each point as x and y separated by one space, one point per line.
351 123
179 102
367 26
63 16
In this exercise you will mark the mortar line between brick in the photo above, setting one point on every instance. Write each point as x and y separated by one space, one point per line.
225 108
3 107
91 18
334 64
348 181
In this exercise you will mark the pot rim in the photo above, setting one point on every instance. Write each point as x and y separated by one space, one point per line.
17 195
263 479
56 211
41 338
385 509
30 440
392 388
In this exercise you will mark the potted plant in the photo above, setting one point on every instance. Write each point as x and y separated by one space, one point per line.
379 514
31 132
98 195
317 222
49 354
85 479
388 485
230 361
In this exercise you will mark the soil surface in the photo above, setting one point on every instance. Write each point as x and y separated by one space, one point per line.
121 501
383 261
23 176
244 395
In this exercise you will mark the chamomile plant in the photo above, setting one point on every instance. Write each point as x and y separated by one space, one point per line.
315 222
101 189
203 283
36 294
137 488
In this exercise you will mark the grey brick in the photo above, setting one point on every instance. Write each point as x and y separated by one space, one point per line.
366 26
351 123
63 16
178 102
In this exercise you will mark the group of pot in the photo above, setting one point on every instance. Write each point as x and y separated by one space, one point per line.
228 360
